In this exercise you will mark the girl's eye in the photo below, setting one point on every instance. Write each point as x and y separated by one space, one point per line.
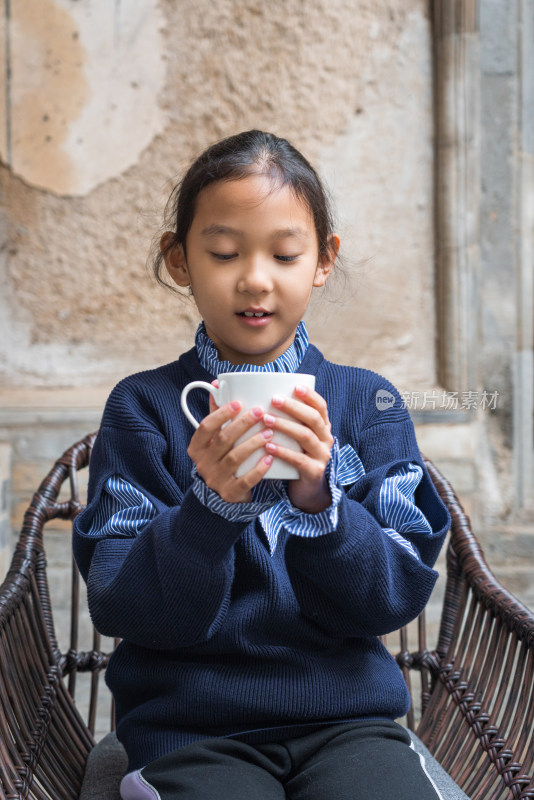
286 259
224 256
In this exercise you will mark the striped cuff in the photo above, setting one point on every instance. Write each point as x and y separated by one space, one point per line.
264 495
298 522
270 500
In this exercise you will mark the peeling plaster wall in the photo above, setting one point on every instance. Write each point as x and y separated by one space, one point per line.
78 307
79 77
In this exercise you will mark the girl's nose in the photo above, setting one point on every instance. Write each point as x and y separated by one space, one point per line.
255 277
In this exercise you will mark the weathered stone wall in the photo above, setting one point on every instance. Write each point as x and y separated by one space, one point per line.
78 307
507 234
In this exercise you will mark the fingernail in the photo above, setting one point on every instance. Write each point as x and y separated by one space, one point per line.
270 447
257 412
269 419
268 460
277 400
235 405
267 434
300 389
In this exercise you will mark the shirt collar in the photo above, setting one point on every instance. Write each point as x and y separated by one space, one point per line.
289 361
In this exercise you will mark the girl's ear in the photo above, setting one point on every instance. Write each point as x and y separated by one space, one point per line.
174 257
327 261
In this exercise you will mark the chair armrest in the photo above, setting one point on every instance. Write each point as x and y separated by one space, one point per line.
479 722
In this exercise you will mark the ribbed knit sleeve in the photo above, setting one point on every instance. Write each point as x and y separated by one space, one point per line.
358 581
168 585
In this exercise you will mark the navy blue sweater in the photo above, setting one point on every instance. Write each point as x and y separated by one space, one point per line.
219 637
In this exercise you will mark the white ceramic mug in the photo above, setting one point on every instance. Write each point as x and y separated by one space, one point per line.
255 389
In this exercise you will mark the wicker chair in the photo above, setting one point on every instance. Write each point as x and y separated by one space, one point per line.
475 690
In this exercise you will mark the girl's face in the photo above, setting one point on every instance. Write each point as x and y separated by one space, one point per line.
252 260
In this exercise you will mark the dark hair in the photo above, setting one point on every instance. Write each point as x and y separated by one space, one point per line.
248 153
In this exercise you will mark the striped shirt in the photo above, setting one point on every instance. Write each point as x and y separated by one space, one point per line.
124 510
289 361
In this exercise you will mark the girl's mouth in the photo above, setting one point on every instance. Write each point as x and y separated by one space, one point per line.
255 318
255 314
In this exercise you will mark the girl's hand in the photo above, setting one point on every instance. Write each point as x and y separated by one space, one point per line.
310 492
217 460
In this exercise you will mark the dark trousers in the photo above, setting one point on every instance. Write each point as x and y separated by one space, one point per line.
362 760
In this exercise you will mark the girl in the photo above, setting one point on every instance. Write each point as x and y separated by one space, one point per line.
249 609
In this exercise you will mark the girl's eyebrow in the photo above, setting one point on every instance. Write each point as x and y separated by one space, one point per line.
282 233
214 230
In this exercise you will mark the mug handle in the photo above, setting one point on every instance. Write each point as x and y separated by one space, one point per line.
183 398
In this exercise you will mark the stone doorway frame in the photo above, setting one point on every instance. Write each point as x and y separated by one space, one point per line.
457 180
456 49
